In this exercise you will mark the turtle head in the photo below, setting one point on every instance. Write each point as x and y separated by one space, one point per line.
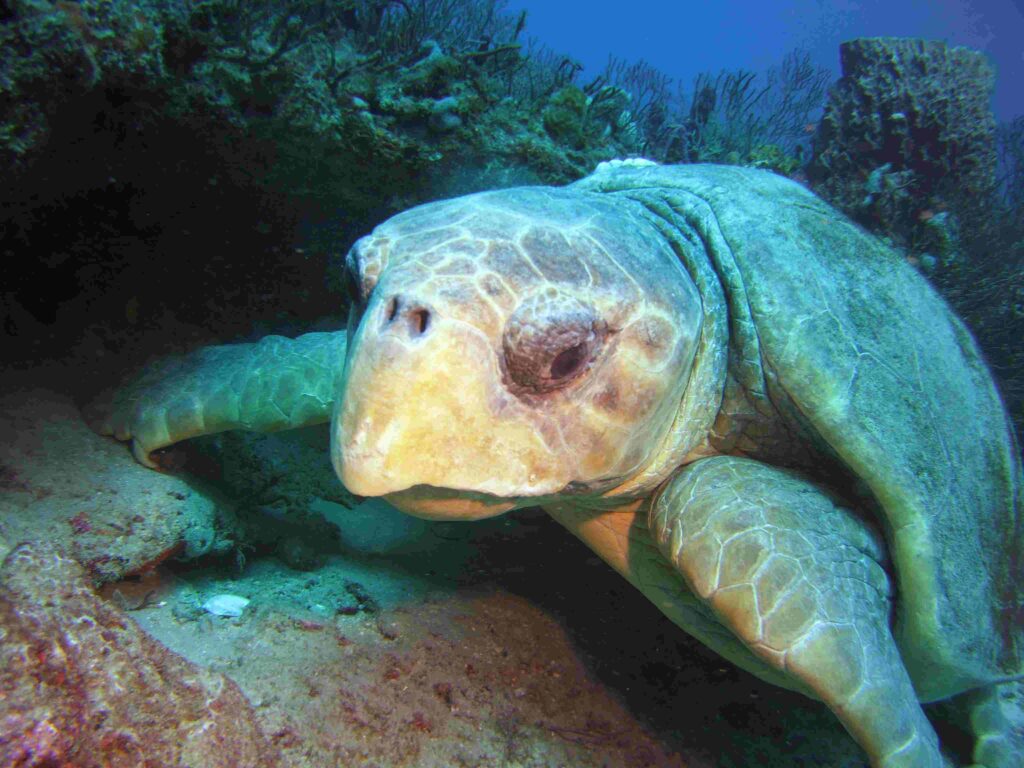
514 347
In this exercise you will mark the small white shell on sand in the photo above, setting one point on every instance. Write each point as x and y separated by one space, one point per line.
226 605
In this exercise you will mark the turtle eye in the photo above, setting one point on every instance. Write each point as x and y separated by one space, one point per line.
549 342
351 287
358 285
569 361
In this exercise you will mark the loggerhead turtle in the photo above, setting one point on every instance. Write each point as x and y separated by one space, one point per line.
758 414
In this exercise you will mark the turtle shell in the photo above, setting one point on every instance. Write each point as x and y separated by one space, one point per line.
858 348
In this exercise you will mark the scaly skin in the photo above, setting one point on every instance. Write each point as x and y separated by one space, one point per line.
274 384
859 357
799 580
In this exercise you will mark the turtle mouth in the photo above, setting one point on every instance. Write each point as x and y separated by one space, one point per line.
432 503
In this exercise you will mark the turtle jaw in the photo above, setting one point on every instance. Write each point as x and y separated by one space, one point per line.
431 503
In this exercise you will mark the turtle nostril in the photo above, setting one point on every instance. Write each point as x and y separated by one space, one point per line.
419 321
414 318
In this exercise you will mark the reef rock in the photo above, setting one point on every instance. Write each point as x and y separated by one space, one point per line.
61 483
908 127
82 685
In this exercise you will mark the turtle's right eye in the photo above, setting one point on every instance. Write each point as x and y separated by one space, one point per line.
353 291
358 284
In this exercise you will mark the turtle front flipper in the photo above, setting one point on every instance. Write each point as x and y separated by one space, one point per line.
273 384
996 744
799 580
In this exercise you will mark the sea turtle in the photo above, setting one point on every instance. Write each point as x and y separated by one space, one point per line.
757 413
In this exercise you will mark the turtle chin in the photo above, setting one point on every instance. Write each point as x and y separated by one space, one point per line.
430 503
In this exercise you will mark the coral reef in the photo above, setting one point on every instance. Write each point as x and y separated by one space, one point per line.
907 128
84 686
55 54
276 131
316 94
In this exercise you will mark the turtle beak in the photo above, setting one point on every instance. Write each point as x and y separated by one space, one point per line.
423 405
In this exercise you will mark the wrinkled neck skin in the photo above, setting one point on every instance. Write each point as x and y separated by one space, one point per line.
527 347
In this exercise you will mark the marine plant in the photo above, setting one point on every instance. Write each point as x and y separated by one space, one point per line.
1010 164
728 117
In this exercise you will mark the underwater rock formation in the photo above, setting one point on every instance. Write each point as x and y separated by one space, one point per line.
318 99
60 484
54 54
84 686
908 128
